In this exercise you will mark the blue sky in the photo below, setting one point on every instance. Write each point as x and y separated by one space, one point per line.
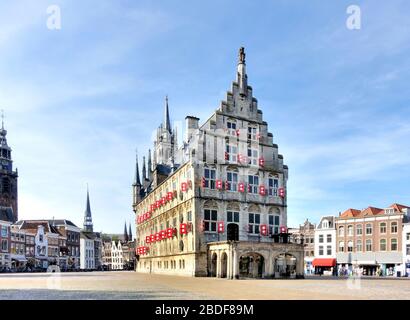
78 101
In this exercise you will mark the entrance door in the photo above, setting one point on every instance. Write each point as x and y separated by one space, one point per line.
232 232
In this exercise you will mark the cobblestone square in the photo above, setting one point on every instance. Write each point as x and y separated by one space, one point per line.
130 286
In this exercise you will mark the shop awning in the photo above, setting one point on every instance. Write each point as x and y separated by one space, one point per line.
19 259
324 262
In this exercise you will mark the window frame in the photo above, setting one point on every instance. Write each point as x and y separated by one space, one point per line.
254 227
273 189
210 182
232 185
212 223
253 187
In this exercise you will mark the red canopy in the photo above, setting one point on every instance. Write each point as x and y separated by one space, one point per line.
324 262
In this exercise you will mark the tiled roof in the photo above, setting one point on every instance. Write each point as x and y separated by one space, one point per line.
350 213
32 225
372 211
398 207
62 222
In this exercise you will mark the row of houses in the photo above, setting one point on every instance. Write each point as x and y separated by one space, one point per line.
119 255
372 241
35 245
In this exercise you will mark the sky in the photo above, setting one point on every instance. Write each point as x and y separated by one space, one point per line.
78 101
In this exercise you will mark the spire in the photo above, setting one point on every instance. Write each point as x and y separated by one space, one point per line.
137 172
3 133
144 170
129 233
167 122
125 232
242 78
88 221
149 164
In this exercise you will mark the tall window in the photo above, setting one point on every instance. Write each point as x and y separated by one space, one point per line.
231 125
368 245
273 187
383 227
321 238
254 222
329 238
252 133
393 244
253 184
232 181
350 246
393 227
350 230
341 246
369 228
210 220
359 229
232 153
233 216
341 231
274 224
320 250
359 246
4 231
210 177
253 155
383 245
407 236
329 250
408 249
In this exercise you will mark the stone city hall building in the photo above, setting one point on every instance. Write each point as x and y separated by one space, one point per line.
216 206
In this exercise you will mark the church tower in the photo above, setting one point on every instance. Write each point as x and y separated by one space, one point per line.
8 177
88 220
165 142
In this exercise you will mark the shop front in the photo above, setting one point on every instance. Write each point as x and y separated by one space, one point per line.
324 266
18 262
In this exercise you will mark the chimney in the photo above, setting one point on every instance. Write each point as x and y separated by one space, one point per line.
192 124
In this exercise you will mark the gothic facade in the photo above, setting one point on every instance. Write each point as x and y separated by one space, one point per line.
217 204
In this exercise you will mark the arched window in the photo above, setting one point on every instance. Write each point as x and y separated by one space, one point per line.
341 231
369 228
393 244
350 230
359 246
383 227
341 246
393 227
359 229
350 246
368 245
383 245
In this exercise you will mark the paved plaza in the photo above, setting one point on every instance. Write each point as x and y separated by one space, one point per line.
130 285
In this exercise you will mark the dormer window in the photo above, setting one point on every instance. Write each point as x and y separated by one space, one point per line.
325 224
389 211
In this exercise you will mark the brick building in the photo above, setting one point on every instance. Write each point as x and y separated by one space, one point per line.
370 240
